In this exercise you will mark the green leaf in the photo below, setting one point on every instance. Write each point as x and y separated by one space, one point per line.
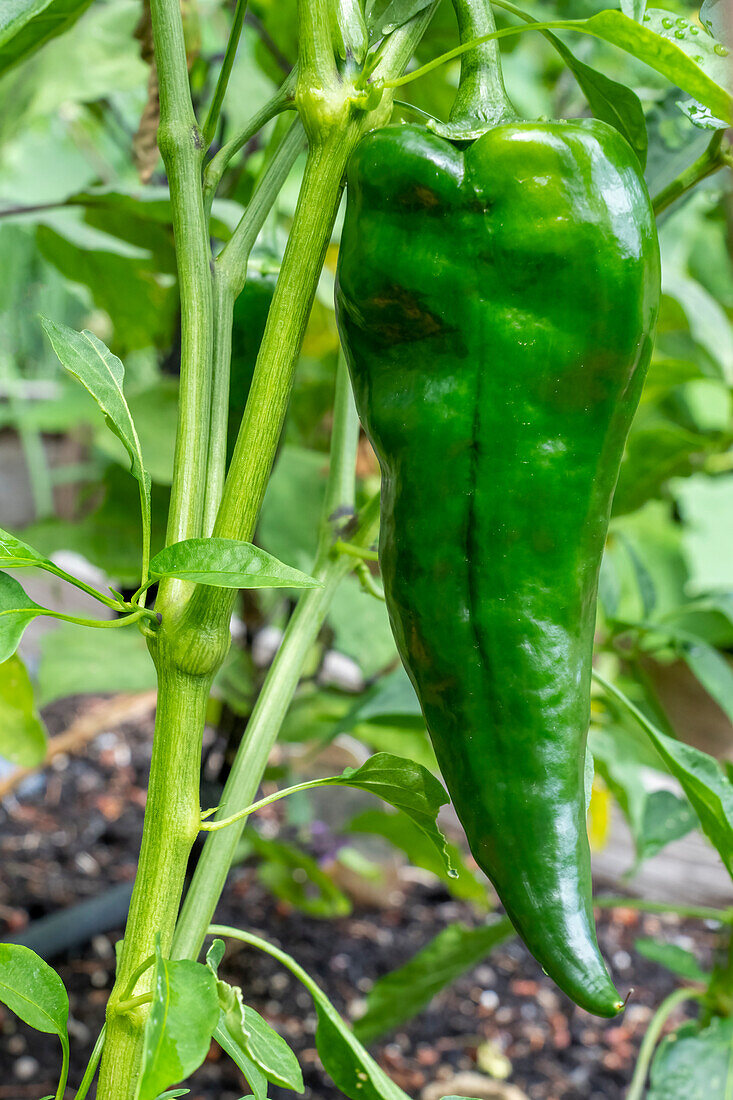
403 993
16 611
295 877
655 453
292 506
87 358
589 772
361 628
400 831
690 61
694 1065
26 25
655 817
16 554
674 958
253 1074
182 1019
154 411
408 787
408 737
33 991
706 505
131 213
686 35
609 584
609 101
346 1061
713 671
665 818
710 328
172 1093
97 58
123 280
634 9
393 696
22 733
657 539
348 1064
715 19
258 1041
396 14
227 563
702 779
644 579
214 956
700 116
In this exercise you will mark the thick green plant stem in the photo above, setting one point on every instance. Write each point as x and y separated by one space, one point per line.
229 272
481 100
171 825
333 126
254 453
244 779
185 664
282 679
181 146
273 377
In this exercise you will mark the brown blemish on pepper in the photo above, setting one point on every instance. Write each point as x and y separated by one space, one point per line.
400 317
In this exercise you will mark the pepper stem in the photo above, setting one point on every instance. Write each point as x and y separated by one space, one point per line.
481 100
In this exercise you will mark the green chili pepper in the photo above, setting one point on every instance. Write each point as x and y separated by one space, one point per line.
496 302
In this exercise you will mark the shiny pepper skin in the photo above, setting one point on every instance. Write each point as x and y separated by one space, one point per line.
497 305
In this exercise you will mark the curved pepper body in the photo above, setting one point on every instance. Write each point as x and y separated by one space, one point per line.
496 306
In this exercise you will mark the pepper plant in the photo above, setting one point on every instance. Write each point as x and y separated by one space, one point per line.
167 1004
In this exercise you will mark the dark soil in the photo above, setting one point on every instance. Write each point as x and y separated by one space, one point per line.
73 833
